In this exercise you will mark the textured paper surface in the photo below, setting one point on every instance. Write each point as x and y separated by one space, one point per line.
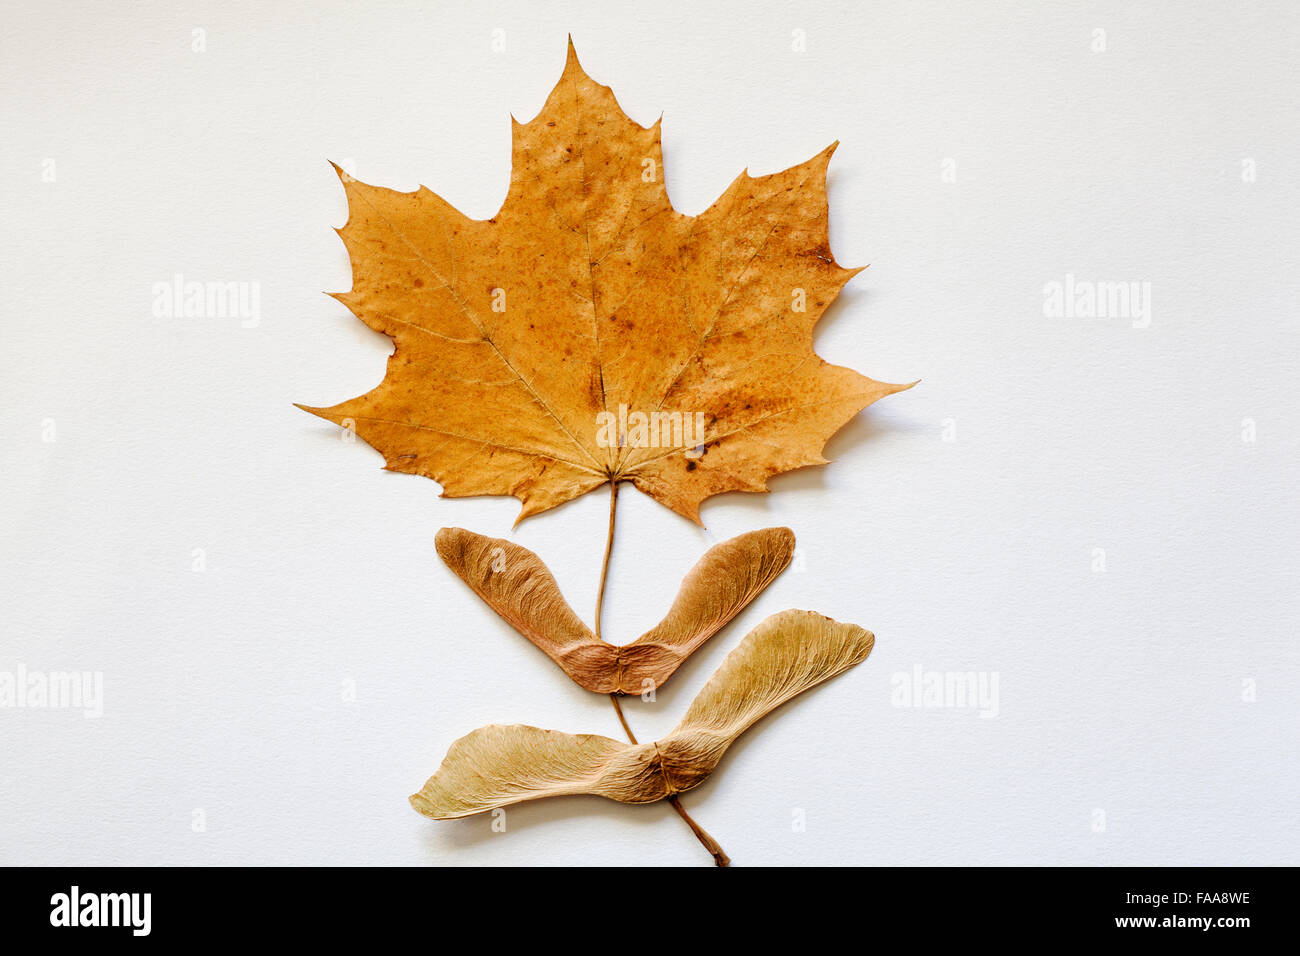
226 690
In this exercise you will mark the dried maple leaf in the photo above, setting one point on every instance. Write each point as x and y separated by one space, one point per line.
516 584
496 766
588 299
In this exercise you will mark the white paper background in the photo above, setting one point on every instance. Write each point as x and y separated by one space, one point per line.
1119 691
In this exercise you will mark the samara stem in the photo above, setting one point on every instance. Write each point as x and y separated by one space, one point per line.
710 844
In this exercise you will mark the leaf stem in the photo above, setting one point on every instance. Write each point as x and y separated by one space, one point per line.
710 844
604 567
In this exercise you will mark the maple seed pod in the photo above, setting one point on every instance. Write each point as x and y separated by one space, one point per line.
496 766
516 583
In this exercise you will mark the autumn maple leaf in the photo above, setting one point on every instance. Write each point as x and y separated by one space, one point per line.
548 350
